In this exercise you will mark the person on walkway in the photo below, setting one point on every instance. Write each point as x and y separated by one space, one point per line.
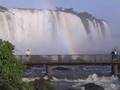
28 54
115 51
114 54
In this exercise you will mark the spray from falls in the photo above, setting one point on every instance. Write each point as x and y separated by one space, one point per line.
53 31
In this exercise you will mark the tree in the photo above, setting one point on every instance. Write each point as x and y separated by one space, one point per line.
11 69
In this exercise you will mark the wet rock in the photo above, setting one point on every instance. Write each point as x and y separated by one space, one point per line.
74 89
92 86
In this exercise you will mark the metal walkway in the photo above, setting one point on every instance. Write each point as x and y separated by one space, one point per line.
50 60
98 59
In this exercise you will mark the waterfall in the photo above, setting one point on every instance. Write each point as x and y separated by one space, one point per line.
53 31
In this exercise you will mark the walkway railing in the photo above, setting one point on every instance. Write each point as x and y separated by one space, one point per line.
98 58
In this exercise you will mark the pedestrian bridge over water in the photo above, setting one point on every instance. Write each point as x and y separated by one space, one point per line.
76 59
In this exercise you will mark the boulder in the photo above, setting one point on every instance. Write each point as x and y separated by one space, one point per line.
92 86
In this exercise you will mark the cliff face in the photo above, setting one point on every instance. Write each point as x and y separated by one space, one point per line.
53 31
3 9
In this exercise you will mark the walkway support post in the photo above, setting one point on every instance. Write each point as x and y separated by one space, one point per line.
114 69
50 72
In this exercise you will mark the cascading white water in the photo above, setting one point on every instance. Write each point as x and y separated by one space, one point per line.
108 83
53 32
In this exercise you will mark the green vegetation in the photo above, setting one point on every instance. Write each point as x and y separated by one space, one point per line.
12 71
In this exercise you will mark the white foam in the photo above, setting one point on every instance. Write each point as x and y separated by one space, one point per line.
106 82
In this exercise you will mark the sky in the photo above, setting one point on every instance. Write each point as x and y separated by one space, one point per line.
103 9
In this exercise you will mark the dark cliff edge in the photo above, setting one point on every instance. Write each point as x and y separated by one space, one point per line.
3 9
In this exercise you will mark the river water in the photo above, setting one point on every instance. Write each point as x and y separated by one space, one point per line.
77 77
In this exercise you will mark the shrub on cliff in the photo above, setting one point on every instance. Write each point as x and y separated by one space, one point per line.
11 69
